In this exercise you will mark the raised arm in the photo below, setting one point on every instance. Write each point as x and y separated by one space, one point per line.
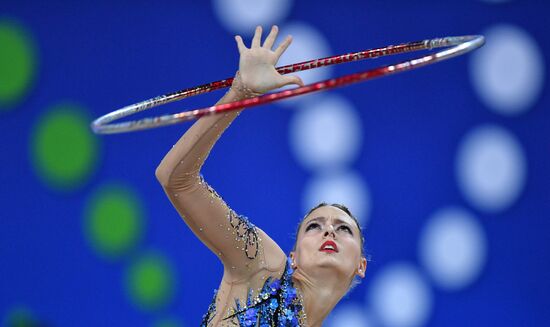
241 246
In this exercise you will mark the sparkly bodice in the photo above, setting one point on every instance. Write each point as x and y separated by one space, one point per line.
277 304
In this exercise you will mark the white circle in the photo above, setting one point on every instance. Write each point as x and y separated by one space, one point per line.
307 44
491 168
349 315
508 72
453 248
400 296
347 188
326 133
242 16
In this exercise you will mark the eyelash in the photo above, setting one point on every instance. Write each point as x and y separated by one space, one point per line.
346 228
315 225
311 226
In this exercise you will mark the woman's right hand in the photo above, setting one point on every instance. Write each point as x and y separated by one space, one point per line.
257 63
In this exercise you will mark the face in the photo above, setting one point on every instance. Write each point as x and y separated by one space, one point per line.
329 239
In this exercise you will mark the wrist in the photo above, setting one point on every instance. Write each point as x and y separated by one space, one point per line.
240 90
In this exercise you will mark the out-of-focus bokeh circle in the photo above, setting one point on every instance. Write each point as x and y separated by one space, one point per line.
242 16
508 72
343 187
64 151
453 248
19 316
18 62
400 296
150 282
326 133
114 221
168 322
491 168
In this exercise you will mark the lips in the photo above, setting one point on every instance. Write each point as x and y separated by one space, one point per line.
329 246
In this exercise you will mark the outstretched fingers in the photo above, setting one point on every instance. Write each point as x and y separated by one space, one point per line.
270 39
283 46
257 37
291 79
240 43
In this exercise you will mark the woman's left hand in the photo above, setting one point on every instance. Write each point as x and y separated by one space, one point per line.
257 63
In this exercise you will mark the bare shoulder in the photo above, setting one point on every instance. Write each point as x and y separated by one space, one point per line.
275 257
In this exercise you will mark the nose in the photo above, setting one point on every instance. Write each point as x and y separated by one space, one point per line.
330 230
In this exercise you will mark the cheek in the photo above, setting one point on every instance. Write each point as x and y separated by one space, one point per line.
306 243
352 246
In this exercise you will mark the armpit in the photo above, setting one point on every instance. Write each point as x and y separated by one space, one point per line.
245 232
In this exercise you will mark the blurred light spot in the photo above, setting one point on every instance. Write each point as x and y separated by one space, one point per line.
508 72
113 221
491 168
168 322
349 315
242 16
400 297
64 151
346 188
453 248
150 282
326 133
307 44
20 317
17 63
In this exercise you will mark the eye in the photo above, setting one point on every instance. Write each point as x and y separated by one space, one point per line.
312 226
345 228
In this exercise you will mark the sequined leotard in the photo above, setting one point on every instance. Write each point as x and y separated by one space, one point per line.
277 304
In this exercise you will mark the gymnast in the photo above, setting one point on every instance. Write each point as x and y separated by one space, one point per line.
260 285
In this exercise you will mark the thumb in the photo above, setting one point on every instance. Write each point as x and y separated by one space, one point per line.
292 80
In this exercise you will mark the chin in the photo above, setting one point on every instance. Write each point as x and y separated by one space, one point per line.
329 261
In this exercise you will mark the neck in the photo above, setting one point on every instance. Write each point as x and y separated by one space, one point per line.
320 294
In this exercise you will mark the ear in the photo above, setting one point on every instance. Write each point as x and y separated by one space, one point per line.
362 267
292 259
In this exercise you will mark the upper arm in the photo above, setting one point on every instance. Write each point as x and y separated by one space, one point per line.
242 247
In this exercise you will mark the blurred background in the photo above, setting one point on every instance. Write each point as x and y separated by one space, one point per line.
446 166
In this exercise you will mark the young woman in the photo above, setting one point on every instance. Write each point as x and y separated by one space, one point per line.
260 286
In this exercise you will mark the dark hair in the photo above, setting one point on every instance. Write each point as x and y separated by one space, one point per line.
344 209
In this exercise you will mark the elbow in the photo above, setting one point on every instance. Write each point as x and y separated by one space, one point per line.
162 175
175 179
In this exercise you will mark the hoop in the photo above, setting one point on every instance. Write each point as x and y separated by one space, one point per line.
459 45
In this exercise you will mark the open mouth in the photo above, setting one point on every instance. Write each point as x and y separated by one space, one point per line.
329 247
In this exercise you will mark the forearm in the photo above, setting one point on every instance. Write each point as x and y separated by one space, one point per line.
187 156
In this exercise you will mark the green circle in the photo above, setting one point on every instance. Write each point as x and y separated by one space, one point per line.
150 282
114 221
20 317
168 322
64 150
17 63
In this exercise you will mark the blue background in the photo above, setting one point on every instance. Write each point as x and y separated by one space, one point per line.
104 55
